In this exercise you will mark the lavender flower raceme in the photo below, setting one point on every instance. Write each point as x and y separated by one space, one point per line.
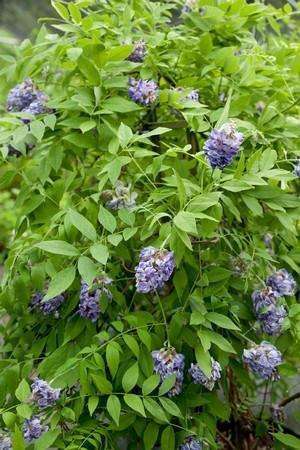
191 443
5 442
199 377
193 95
139 52
26 98
222 145
263 299
168 362
120 198
188 6
50 306
43 394
89 303
271 322
263 360
282 282
297 169
33 429
154 269
144 92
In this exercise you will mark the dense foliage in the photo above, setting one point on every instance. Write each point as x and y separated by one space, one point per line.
149 158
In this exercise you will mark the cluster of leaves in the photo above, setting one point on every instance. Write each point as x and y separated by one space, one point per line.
244 68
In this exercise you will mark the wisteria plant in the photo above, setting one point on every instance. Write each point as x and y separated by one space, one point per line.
150 152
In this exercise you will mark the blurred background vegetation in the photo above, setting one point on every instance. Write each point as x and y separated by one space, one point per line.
19 17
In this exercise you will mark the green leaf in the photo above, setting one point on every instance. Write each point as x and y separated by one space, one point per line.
24 411
221 321
9 419
107 220
130 377
185 221
134 402
83 225
47 440
167 384
60 9
225 113
60 282
103 385
92 404
37 128
124 134
112 358
150 384
18 440
219 341
153 407
203 360
23 391
168 439
150 435
58 248
87 269
87 126
114 408
288 439
170 407
120 105
132 344
100 253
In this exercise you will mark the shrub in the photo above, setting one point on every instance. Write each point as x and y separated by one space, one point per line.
149 291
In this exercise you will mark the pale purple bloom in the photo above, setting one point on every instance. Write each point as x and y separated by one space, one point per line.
268 238
222 145
260 106
188 6
278 414
271 322
199 376
263 360
282 282
154 269
89 307
141 91
297 169
5 442
168 362
263 299
50 306
193 95
139 51
33 429
26 98
191 443
43 394
120 198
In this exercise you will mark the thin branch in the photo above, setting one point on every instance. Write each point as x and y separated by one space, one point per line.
287 400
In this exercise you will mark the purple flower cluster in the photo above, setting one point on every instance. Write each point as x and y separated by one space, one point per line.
193 95
188 6
199 377
297 169
26 98
191 443
5 442
154 269
141 91
50 306
139 52
89 307
33 429
263 360
222 145
121 197
282 282
43 394
168 362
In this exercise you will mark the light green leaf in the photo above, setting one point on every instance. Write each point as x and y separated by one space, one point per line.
168 439
100 253
58 248
150 384
87 269
170 407
106 219
221 321
112 358
83 225
92 404
130 377
288 439
114 408
185 221
134 402
60 282
23 391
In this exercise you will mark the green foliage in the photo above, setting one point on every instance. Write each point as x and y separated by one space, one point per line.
214 221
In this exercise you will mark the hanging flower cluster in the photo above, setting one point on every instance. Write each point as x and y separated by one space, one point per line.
297 169
120 198
263 360
139 52
269 313
141 91
222 145
5 442
33 429
49 307
43 394
89 303
26 98
154 269
199 376
191 443
168 362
